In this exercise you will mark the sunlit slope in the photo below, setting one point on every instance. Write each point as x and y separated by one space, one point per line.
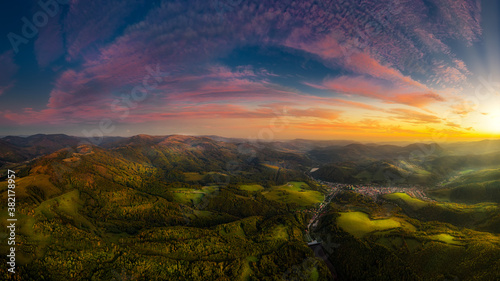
396 239
94 213
471 186
426 170
481 216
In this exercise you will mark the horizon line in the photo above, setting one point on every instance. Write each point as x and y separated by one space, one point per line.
351 141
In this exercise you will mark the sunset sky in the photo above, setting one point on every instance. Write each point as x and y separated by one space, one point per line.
411 70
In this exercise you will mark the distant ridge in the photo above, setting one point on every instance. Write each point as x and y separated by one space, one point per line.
23 148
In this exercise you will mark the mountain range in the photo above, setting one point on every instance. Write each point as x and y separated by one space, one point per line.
234 209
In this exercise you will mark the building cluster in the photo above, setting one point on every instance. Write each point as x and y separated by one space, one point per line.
373 191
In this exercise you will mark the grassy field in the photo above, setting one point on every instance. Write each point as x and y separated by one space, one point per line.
443 237
359 224
294 192
280 232
191 196
251 187
188 197
247 270
414 203
396 242
29 223
37 185
430 248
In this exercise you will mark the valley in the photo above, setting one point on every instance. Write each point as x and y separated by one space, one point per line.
195 208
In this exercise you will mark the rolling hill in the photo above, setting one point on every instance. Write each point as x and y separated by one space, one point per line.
183 208
93 212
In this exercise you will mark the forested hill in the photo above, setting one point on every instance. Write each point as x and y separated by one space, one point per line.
197 208
170 208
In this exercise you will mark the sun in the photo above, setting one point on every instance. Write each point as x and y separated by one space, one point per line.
494 123
489 119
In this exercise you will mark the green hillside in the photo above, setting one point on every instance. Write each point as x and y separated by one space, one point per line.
194 208
471 186
146 211
386 243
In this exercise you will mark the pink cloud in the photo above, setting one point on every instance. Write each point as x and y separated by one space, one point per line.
452 75
431 42
348 103
49 45
91 22
112 61
233 90
53 116
382 90
8 69
365 64
326 47
412 116
228 111
146 113
75 88
315 112
401 33
419 100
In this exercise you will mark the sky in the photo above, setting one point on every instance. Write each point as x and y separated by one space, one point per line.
402 70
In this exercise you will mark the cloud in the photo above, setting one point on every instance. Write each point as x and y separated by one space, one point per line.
145 113
414 117
165 37
387 91
366 129
463 108
406 35
431 42
74 88
326 47
91 23
49 45
383 50
315 112
444 73
419 100
363 63
452 124
233 90
8 69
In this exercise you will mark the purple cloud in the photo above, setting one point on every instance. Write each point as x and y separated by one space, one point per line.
7 71
90 23
49 45
390 41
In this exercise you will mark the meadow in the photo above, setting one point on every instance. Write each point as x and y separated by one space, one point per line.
294 193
